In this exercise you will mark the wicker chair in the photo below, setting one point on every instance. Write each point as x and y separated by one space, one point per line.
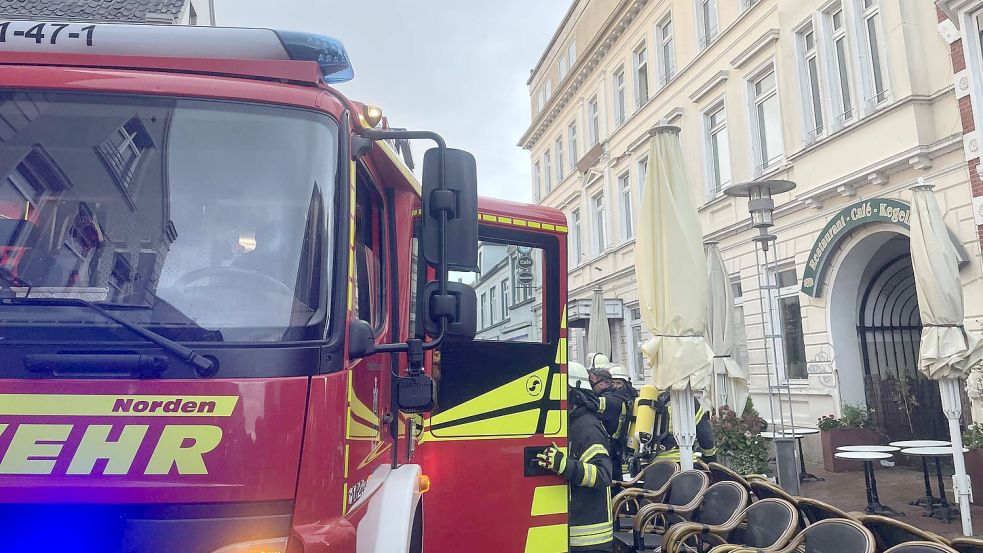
723 473
682 498
648 486
967 545
921 547
766 525
763 489
812 511
833 535
720 505
890 532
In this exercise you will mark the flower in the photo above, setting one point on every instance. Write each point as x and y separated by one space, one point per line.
747 434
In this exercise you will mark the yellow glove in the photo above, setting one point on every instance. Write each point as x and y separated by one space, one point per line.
552 459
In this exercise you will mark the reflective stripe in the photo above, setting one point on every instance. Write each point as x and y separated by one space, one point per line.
598 538
546 539
592 452
590 476
588 529
549 500
601 404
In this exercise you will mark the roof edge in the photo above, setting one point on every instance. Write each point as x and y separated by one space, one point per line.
549 45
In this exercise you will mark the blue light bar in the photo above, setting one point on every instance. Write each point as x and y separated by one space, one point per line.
329 53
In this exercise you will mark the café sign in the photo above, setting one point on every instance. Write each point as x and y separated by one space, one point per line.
848 219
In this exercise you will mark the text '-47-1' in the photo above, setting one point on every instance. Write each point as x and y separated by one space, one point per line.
47 33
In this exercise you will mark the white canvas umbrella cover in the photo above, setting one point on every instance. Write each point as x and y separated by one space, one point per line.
721 334
947 351
672 284
599 332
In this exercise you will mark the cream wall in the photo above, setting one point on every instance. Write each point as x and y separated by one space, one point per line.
915 133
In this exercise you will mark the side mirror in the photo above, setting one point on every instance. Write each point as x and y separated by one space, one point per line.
460 306
459 196
361 339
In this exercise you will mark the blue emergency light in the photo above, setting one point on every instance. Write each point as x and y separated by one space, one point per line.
329 53
178 41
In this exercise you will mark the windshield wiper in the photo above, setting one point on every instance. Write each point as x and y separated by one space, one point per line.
200 363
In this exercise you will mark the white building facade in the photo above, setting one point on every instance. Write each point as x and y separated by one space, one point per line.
816 92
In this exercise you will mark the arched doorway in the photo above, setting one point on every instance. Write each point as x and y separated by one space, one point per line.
906 404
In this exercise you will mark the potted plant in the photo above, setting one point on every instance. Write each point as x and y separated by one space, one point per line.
739 442
973 439
855 427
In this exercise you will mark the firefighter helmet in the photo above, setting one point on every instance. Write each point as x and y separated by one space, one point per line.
577 376
618 372
597 360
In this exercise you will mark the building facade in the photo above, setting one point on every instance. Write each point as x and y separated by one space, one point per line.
171 12
853 100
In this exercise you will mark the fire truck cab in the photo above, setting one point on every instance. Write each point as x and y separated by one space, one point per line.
233 321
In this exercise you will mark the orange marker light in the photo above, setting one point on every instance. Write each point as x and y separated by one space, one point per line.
424 482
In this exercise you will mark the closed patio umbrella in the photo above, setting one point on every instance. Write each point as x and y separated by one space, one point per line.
728 382
598 333
947 351
672 284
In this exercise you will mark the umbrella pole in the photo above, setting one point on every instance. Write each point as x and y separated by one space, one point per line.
684 424
961 486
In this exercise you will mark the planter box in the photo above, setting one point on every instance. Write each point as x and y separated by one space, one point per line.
833 439
974 468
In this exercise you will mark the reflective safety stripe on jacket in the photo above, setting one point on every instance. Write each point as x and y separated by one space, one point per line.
589 472
704 436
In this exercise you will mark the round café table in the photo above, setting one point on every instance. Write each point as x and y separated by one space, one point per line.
874 506
928 500
869 448
942 509
800 432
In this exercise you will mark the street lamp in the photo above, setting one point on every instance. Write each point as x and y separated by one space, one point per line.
761 204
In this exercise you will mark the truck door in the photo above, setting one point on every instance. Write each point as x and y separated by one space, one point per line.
501 400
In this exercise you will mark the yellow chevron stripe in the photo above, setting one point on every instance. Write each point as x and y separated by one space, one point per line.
508 394
547 539
549 500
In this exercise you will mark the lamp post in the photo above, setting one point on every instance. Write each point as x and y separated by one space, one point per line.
762 208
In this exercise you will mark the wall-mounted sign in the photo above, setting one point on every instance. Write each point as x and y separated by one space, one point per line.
523 267
848 219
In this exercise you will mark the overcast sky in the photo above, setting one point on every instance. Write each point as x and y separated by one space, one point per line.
455 67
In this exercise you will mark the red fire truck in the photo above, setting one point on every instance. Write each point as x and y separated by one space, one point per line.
232 321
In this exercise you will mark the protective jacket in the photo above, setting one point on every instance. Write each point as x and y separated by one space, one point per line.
589 470
668 449
615 410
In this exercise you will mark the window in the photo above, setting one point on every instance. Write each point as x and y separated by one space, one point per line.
641 68
667 52
635 347
740 331
558 151
840 65
548 89
624 186
706 20
572 144
876 89
718 150
492 305
643 169
568 59
547 171
540 100
484 310
505 299
619 96
369 296
767 121
597 205
792 354
811 95
593 122
576 239
536 180
123 151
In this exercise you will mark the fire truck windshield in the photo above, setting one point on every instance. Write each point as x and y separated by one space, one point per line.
203 220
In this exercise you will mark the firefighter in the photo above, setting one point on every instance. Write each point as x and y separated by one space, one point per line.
596 361
587 468
666 447
616 398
